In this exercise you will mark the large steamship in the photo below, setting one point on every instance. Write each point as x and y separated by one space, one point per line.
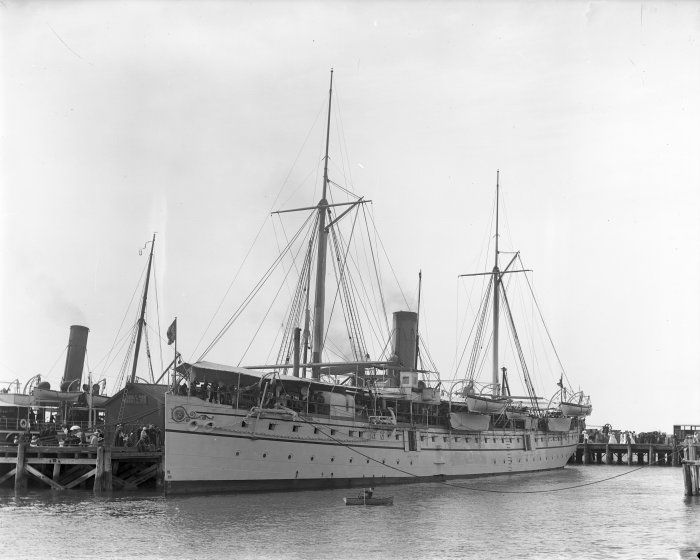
309 423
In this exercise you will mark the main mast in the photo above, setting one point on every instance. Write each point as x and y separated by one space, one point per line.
143 311
496 294
319 300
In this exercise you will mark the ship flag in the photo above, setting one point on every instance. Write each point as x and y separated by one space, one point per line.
172 332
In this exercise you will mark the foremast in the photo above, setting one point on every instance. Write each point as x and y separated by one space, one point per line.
320 290
142 319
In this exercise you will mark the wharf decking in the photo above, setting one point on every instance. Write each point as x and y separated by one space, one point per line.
629 453
97 468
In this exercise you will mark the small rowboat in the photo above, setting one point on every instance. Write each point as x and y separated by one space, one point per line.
387 501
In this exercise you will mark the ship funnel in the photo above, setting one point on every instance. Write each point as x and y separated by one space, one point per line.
75 358
405 324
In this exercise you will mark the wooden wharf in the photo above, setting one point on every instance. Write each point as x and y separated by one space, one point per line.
64 468
659 454
691 471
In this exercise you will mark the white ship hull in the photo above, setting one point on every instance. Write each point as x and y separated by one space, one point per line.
211 447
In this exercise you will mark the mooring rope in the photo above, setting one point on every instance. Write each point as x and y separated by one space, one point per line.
475 488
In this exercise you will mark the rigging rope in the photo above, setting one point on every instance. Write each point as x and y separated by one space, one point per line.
376 268
473 488
521 356
155 288
381 244
116 336
544 324
262 321
246 301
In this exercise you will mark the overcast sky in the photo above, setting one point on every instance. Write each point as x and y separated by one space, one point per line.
190 119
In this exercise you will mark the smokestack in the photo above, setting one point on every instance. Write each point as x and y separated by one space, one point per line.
405 323
75 358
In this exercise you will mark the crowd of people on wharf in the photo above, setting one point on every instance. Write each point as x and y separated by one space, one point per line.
607 434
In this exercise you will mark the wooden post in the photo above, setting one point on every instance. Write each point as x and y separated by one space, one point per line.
107 480
687 479
99 470
56 471
586 456
652 457
674 456
629 454
20 473
695 478
608 454
160 473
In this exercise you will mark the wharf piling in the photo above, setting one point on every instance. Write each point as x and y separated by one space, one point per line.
629 454
685 454
63 468
691 471
20 469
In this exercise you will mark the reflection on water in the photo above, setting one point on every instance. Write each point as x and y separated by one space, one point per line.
643 515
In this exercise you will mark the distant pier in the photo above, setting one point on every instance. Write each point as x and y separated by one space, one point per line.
88 468
660 454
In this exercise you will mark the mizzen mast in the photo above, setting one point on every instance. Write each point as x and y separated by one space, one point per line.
320 292
496 293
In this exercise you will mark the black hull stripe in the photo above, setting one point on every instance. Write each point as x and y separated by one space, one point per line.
219 486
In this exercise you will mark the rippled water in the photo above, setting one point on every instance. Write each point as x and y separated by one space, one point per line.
642 515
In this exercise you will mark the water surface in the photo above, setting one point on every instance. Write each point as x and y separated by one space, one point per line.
641 515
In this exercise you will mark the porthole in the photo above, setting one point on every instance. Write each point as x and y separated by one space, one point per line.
312 457
332 459
350 460
289 457
264 455
238 453
383 461
368 461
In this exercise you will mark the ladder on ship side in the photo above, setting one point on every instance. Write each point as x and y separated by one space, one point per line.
122 405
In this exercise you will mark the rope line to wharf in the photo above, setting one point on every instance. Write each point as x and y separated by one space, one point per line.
442 482
475 488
